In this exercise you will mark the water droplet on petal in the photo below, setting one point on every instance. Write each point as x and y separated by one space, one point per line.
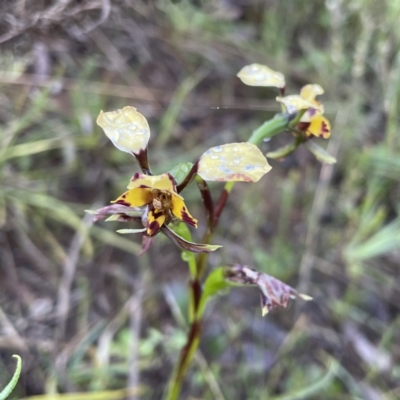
254 68
217 149
214 157
260 77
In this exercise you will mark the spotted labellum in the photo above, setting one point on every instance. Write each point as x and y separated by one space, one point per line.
154 200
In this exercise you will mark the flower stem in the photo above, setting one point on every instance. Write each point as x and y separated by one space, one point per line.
266 130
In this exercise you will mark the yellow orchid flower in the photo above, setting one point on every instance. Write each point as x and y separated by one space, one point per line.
159 194
313 123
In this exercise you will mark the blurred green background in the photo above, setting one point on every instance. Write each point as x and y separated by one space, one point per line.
84 312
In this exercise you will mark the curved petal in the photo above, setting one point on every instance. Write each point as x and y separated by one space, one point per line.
261 75
320 127
186 245
127 129
155 222
311 91
161 182
137 197
180 211
294 103
233 162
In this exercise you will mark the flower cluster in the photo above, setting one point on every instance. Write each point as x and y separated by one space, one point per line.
307 113
155 200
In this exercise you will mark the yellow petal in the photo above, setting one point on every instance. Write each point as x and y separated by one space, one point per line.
135 197
309 92
233 162
155 222
261 75
126 128
294 103
320 127
161 182
180 211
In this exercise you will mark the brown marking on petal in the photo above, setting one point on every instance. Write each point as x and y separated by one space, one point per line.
153 228
303 126
123 203
187 218
172 179
324 127
236 177
136 176
123 196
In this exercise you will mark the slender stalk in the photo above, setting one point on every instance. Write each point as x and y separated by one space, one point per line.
266 130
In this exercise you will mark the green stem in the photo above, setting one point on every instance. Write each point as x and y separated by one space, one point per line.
11 385
266 130
269 128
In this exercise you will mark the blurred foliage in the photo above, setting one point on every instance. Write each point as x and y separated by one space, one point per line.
84 312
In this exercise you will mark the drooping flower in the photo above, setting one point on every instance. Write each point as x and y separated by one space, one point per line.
274 293
155 201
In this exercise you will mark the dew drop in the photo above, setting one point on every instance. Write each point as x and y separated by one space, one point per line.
237 160
260 77
254 68
236 148
217 149
214 157
141 132
133 127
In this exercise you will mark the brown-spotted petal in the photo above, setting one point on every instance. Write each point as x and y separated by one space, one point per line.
155 222
186 245
127 129
137 197
319 127
164 182
261 75
180 210
233 162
